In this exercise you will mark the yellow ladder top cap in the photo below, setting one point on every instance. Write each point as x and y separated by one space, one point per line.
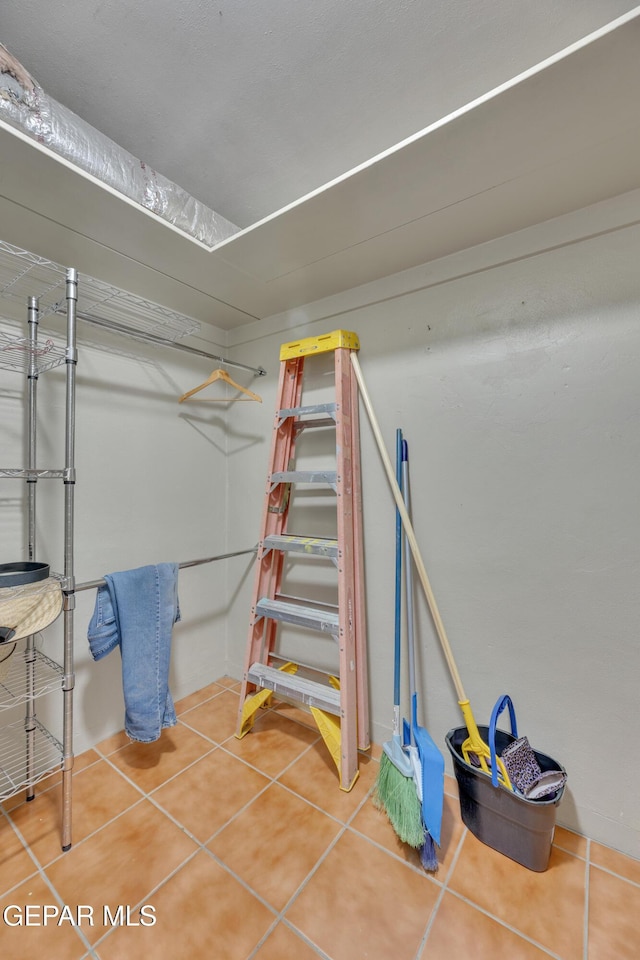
325 343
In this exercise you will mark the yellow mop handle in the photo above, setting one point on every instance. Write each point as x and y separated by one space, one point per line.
476 745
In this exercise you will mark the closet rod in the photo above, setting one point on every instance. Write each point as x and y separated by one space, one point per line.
91 584
163 342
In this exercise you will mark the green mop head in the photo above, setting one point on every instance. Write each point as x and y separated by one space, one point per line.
396 795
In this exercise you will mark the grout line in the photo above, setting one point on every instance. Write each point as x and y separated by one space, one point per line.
243 883
265 936
235 816
146 793
200 703
507 926
305 939
107 823
294 896
618 876
430 922
440 897
571 853
81 934
405 863
41 872
36 865
280 920
151 798
147 897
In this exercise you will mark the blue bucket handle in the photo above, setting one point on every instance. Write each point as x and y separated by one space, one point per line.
501 703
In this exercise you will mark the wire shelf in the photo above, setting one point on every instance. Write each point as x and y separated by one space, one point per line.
106 302
46 757
26 674
22 274
16 353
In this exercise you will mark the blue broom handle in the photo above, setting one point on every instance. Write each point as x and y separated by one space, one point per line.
409 589
398 586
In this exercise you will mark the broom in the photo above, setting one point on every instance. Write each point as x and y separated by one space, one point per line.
395 790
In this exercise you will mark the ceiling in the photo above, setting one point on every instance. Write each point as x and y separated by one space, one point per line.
347 140
251 104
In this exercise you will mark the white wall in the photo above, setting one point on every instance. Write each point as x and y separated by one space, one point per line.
514 376
517 388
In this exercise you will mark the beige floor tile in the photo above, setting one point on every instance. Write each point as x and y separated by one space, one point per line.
37 939
273 744
315 777
547 907
202 913
614 907
99 795
121 863
460 930
275 843
450 786
15 863
210 792
216 718
375 824
151 764
284 944
361 902
618 863
228 682
197 697
115 742
570 841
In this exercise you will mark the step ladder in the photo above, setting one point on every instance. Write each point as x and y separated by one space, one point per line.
338 699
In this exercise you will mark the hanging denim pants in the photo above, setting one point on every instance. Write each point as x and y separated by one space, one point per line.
136 611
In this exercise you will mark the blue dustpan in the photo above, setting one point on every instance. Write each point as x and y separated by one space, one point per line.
427 760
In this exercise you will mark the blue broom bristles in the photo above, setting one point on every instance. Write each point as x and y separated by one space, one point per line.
428 856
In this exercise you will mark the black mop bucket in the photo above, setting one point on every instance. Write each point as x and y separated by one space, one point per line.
520 828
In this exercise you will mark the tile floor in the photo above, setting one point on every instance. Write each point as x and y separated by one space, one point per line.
247 849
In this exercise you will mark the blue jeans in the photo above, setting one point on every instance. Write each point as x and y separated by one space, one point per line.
136 611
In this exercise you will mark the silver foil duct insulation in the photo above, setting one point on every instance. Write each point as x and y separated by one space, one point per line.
25 105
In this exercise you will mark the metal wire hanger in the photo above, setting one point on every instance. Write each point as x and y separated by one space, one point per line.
220 375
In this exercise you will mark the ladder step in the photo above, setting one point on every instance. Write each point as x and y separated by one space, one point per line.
329 477
325 408
323 344
314 546
293 687
312 617
301 425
